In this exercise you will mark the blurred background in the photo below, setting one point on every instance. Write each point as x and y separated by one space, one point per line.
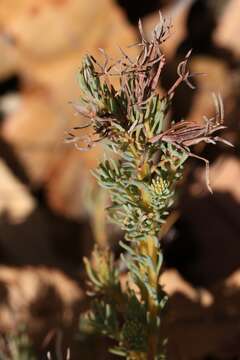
51 211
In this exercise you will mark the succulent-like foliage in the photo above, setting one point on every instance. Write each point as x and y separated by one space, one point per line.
141 177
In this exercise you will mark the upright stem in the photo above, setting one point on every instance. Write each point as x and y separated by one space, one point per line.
141 183
150 249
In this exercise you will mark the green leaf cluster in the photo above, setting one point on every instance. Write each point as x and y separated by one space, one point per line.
141 178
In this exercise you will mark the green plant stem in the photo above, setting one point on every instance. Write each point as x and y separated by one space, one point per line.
141 183
151 250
